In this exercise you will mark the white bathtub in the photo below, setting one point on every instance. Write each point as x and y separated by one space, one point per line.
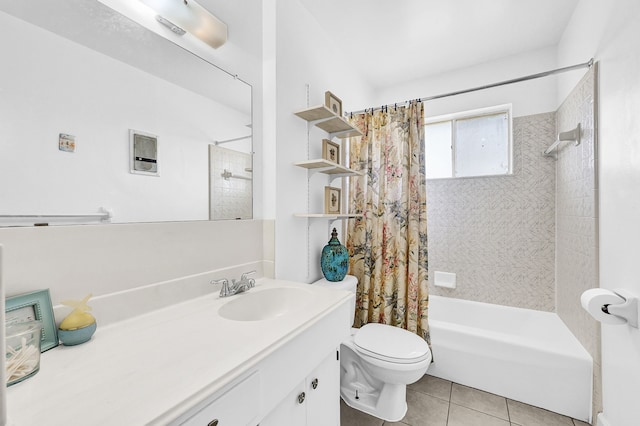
522 354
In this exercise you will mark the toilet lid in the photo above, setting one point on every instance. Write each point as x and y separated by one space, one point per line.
392 343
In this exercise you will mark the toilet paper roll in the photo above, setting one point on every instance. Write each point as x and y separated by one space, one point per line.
594 299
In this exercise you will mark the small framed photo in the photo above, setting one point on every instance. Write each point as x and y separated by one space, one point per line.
331 151
143 148
332 200
30 307
334 103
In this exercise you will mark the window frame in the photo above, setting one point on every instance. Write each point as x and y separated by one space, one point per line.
470 114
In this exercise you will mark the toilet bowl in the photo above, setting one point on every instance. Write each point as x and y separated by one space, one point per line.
377 362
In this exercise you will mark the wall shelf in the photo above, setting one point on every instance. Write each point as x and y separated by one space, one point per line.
315 113
325 119
328 216
328 167
338 127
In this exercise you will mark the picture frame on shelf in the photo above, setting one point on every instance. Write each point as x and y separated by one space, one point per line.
333 102
34 306
331 151
332 200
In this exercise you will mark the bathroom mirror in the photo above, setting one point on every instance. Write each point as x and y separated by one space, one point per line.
88 96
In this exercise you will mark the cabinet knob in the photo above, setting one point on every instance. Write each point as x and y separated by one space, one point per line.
213 422
314 383
301 398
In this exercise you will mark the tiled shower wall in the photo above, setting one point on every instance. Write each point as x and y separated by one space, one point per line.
497 234
511 239
577 220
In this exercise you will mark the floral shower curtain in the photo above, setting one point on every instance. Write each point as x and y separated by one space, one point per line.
388 245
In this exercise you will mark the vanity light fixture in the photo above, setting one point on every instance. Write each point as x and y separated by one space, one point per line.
187 15
173 27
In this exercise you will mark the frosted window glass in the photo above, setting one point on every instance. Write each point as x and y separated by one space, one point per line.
481 146
437 138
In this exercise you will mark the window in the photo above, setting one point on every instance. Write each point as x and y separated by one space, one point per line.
470 143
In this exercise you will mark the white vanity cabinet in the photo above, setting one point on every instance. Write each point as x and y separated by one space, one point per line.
233 408
214 371
323 393
314 401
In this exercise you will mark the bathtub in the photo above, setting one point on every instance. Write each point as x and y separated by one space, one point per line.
521 354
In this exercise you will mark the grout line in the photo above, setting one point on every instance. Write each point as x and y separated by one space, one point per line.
506 401
450 396
430 394
482 412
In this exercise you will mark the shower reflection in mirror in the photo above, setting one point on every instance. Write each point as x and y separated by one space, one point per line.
230 179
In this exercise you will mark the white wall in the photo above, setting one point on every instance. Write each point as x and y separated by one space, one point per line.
73 261
610 31
303 55
532 97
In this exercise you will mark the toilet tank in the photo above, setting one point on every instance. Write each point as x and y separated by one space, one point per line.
349 283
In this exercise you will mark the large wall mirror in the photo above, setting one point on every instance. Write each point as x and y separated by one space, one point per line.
90 100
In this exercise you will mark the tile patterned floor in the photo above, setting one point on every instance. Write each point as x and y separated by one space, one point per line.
437 402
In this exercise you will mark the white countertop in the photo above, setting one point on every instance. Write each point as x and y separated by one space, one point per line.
157 365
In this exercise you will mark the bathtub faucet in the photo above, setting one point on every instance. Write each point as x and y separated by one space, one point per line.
244 284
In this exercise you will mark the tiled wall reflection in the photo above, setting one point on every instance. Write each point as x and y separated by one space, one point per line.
498 233
230 184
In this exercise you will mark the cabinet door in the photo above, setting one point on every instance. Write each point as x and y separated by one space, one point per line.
323 393
237 407
291 411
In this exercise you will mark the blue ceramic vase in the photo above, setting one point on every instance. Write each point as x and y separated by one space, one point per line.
335 259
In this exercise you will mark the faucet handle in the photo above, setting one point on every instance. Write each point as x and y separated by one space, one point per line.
246 275
224 281
224 291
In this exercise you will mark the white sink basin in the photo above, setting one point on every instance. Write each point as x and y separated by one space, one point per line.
265 304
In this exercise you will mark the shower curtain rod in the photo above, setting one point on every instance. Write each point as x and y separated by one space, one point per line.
587 64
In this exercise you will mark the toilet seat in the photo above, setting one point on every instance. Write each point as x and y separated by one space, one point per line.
392 344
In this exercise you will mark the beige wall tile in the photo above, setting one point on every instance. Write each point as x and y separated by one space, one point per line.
497 233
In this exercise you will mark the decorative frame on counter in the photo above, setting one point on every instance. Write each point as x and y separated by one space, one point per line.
333 102
331 151
332 200
34 306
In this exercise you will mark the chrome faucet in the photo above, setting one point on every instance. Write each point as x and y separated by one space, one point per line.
244 284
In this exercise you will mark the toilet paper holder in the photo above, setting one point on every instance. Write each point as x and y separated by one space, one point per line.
626 311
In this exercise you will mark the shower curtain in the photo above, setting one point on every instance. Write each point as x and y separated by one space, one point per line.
388 245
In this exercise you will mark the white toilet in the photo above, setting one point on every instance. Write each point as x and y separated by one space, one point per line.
377 362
